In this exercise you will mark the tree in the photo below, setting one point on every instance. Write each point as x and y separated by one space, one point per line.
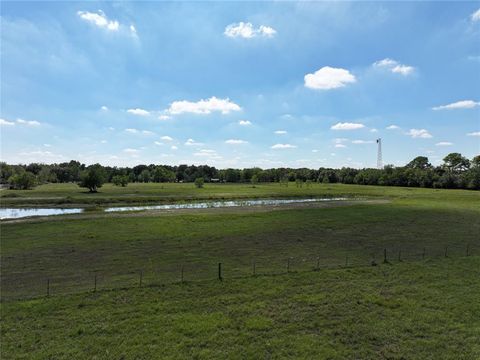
420 162
199 182
144 176
23 181
455 162
93 178
120 180
254 180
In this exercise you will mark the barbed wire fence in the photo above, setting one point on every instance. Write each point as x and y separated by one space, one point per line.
30 285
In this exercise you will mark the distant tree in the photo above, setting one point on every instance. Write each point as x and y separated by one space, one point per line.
308 183
254 180
120 180
161 174
420 162
455 162
199 182
144 176
23 181
93 178
298 183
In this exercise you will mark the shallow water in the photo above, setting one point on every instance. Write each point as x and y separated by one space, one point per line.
17 213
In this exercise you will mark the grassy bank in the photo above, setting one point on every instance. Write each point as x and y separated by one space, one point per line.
422 310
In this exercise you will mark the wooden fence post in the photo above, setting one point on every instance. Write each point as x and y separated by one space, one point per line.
399 255
220 271
318 263
254 268
48 287
385 255
288 265
346 260
95 284
468 249
141 277
182 274
423 254
446 249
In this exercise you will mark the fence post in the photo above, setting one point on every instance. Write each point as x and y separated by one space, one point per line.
95 284
468 249
385 255
141 277
254 268
446 249
346 260
318 263
423 254
182 274
288 265
48 287
399 255
220 271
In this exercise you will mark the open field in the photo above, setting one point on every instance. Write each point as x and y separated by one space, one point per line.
65 195
411 308
421 310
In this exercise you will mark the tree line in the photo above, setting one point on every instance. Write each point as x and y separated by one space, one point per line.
456 172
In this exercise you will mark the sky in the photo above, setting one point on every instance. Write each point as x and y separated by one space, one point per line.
239 84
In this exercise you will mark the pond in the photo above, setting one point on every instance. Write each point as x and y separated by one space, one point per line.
17 213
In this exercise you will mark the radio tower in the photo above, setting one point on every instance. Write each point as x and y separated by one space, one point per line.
379 154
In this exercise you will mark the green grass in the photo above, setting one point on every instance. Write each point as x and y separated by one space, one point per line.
421 310
408 309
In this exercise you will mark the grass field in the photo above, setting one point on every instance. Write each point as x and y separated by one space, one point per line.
422 310
358 312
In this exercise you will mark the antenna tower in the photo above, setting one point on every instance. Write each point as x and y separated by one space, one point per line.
379 154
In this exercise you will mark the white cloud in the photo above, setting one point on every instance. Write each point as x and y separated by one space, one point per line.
393 127
147 132
244 123
329 78
283 146
248 31
315 150
235 142
475 16
463 104
132 131
224 106
164 117
6 122
104 108
99 19
476 133
133 30
212 154
373 130
363 141
166 138
139 112
347 126
131 151
419 133
394 66
158 143
340 140
191 142
103 141
444 143
47 145
173 147
340 146
28 122
280 132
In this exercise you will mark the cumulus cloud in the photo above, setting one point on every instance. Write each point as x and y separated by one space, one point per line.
99 19
280 132
463 104
419 133
208 106
444 143
328 78
363 141
394 66
173 147
166 138
475 16
476 133
6 122
373 130
164 117
248 31
132 131
235 142
283 146
104 108
139 112
191 142
147 132
244 123
158 143
340 146
393 127
347 126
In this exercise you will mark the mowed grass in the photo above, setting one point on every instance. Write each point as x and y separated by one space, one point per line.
117 249
70 195
406 310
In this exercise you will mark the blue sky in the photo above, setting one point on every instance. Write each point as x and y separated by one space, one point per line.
231 84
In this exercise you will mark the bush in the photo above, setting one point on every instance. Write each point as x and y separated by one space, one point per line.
23 181
93 178
199 182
